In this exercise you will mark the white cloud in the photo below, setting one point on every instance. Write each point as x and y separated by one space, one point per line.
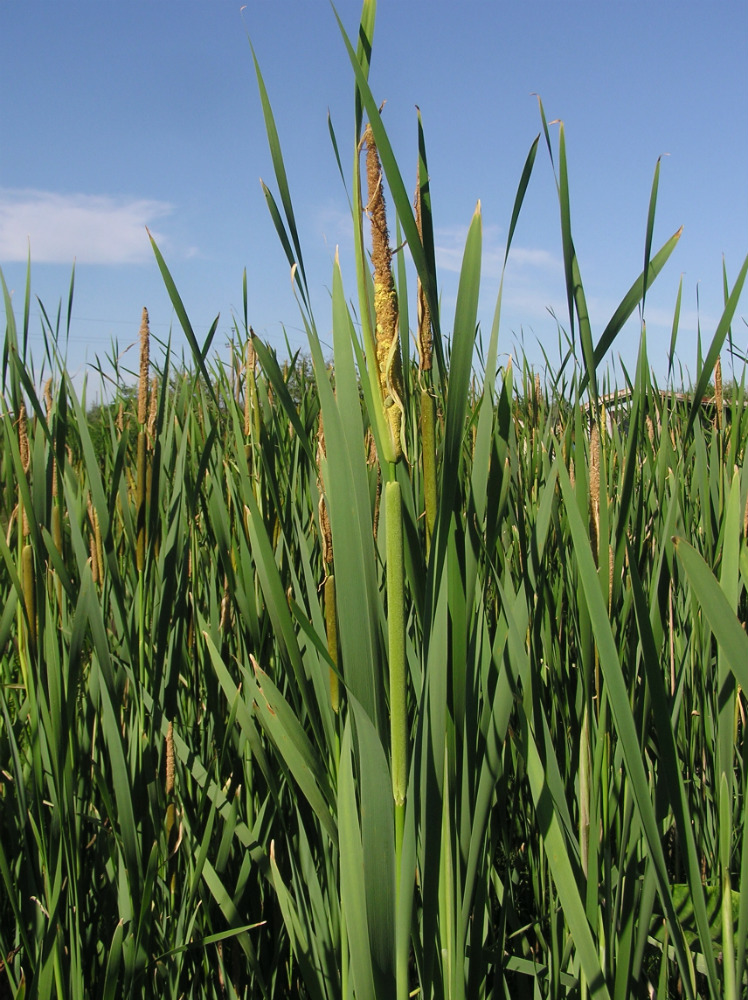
335 224
450 247
92 229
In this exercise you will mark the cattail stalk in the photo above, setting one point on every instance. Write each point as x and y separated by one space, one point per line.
428 459
141 481
56 513
595 492
331 625
390 375
28 580
396 635
331 629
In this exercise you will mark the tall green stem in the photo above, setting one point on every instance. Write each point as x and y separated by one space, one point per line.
398 687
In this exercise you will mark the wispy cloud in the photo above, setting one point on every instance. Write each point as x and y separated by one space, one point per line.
333 221
92 229
450 246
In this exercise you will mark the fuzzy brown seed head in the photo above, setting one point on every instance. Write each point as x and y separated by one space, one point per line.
23 438
251 353
145 337
170 759
370 445
380 240
650 429
23 447
718 391
48 397
225 617
324 516
325 530
389 361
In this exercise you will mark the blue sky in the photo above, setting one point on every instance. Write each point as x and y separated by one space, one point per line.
118 116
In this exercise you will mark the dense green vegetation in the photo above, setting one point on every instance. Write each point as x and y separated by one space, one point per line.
400 675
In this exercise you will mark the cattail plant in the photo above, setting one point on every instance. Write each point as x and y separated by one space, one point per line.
27 551
389 364
141 474
331 628
56 501
594 490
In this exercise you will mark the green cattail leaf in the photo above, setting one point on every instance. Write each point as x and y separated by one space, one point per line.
706 369
280 170
722 619
621 710
574 289
631 300
671 774
378 847
352 877
461 364
650 228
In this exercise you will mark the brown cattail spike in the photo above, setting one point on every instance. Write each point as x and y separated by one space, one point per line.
324 517
23 438
718 400
145 337
389 361
170 759
25 452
